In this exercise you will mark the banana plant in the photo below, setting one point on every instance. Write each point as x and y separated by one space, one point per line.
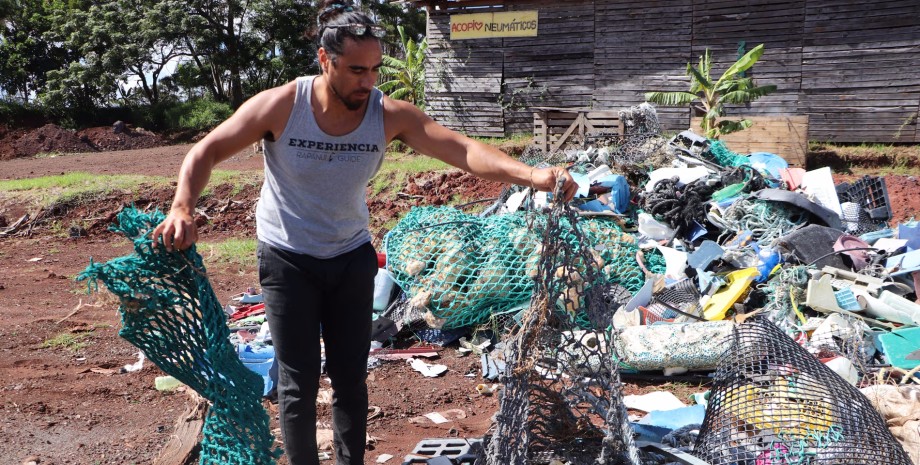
711 96
405 79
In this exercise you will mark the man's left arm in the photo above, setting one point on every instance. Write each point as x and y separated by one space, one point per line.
417 130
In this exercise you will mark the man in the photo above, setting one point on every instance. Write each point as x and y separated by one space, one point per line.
324 138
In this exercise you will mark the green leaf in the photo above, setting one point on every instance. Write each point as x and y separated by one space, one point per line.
747 96
744 63
728 127
697 76
671 99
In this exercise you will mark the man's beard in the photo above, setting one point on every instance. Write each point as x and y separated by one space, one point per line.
353 106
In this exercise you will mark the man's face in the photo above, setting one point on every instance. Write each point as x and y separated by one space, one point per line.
352 74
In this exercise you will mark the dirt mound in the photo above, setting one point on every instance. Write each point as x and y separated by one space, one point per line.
50 138
46 139
104 138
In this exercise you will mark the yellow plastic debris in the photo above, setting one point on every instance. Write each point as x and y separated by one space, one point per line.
738 283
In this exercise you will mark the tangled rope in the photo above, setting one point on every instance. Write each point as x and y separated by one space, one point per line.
679 207
767 221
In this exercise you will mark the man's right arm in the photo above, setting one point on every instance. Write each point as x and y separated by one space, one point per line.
264 115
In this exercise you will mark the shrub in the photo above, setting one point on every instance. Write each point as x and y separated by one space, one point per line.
199 114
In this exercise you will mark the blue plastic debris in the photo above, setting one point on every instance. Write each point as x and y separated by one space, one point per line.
769 258
768 163
619 191
871 237
900 346
492 367
677 418
847 300
911 232
704 255
261 360
905 263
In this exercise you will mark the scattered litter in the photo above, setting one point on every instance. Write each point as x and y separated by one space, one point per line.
440 417
136 366
383 458
166 383
658 400
492 367
487 390
430 371
425 351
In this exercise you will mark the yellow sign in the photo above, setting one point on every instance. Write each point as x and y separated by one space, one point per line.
489 25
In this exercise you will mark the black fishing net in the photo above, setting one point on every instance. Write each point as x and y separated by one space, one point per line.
562 396
774 403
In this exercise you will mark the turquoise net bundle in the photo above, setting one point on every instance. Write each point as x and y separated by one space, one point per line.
725 157
463 269
169 311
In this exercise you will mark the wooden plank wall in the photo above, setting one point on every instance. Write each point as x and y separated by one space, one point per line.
464 81
860 76
556 68
723 25
641 46
850 66
786 136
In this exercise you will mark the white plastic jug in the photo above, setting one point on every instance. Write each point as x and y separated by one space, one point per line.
383 289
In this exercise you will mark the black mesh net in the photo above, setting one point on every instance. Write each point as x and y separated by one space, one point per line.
865 205
774 403
562 398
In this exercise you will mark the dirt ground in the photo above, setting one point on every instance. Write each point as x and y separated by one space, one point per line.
63 396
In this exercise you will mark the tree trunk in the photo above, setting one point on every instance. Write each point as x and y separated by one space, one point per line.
233 49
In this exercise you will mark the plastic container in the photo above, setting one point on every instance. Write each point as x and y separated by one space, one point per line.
166 383
383 289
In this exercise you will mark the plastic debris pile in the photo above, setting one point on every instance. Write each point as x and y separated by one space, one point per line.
687 239
169 310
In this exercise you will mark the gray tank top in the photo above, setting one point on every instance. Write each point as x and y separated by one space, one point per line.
313 200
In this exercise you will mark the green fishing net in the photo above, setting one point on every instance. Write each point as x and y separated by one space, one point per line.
725 157
463 269
169 311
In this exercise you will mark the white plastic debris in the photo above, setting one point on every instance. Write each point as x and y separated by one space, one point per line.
819 185
654 229
844 367
685 175
653 401
431 371
136 366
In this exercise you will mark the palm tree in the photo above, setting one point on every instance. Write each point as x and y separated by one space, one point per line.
731 88
405 79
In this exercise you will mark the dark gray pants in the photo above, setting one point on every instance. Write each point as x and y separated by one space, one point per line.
303 294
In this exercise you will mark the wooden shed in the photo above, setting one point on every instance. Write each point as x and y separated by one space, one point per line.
850 66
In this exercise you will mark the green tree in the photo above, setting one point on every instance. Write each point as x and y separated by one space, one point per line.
731 88
391 15
404 79
26 56
233 41
118 41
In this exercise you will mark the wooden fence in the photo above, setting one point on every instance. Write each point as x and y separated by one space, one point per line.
849 66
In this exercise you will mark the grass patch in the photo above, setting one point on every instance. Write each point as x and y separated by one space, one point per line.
60 188
868 158
69 341
231 251
49 154
397 167
238 179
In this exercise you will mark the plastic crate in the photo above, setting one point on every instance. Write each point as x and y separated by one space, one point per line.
460 451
